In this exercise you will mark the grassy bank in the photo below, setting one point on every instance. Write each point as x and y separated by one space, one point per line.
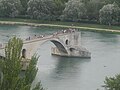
84 26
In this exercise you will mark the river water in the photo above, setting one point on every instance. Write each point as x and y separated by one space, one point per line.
58 73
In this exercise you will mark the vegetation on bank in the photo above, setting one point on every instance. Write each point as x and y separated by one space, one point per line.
60 24
87 11
81 13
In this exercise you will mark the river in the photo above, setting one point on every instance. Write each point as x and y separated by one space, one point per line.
60 73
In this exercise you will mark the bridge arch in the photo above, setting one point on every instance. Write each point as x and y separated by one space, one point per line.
30 47
59 46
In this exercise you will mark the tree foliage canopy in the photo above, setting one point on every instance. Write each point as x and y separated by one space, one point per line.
24 5
74 10
68 10
112 83
10 8
10 66
93 8
109 14
41 9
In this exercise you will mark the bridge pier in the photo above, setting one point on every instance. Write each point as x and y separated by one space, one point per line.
73 52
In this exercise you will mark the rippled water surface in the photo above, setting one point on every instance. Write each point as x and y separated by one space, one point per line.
60 73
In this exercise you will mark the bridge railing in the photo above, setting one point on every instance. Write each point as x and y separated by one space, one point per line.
61 32
55 34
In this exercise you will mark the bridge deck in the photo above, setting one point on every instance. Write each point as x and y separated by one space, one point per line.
43 37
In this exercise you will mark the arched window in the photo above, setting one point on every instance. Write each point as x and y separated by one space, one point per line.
66 42
24 53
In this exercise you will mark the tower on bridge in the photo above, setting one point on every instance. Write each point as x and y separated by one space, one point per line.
72 43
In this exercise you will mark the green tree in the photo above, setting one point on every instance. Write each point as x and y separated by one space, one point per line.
112 83
11 68
10 8
58 8
64 1
46 9
85 1
74 10
109 14
24 5
93 8
41 9
111 1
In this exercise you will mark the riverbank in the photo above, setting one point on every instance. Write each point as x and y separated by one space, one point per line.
37 23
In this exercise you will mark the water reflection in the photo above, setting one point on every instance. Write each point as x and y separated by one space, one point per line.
108 38
67 68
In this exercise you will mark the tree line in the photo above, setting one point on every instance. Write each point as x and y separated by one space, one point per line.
96 11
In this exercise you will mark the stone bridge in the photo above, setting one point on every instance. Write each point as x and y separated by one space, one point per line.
67 42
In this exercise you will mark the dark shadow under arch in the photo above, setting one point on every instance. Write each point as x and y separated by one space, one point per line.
59 46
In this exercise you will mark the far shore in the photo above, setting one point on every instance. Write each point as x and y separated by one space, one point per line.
58 25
